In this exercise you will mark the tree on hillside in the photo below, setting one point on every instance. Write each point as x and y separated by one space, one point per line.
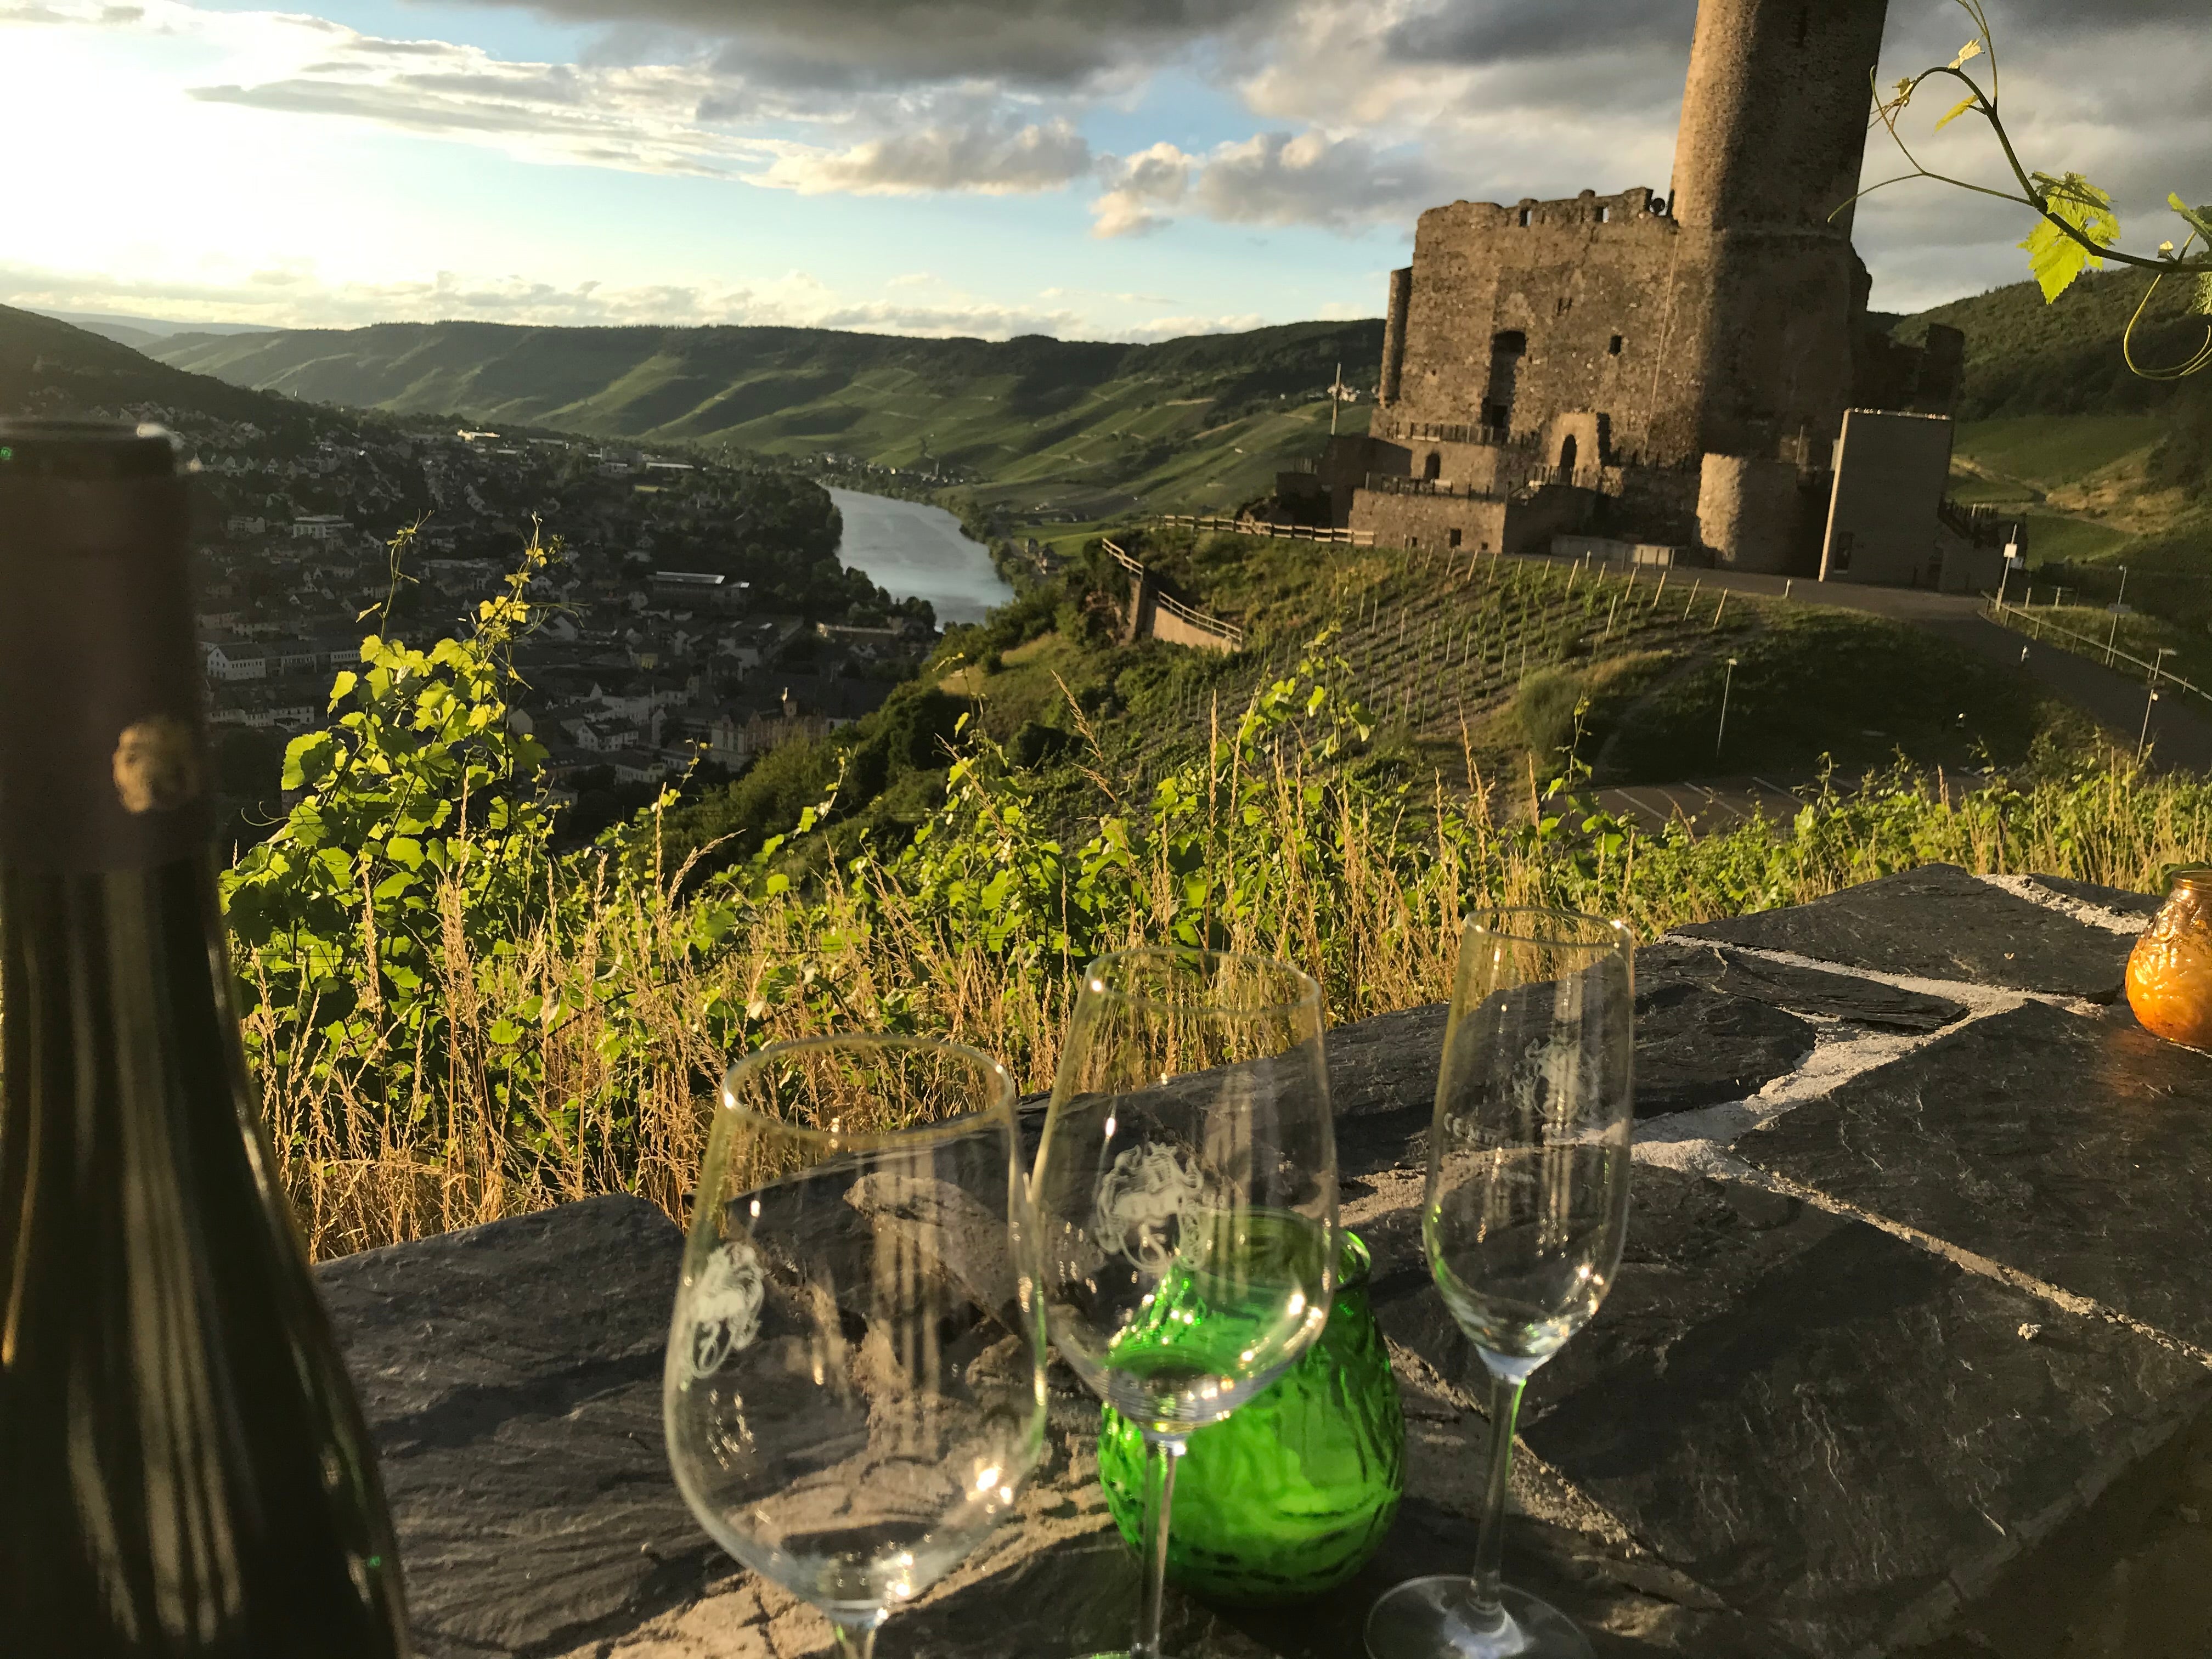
2078 227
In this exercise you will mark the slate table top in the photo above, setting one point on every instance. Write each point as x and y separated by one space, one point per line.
1915 1283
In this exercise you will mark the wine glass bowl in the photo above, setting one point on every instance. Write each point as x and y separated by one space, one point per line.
1185 1193
853 1394
1523 1219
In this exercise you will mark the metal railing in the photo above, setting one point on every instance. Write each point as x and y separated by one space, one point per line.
1387 425
1228 632
1397 483
1580 477
2021 619
1981 525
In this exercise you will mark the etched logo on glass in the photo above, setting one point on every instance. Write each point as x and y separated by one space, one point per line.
1143 1201
726 1308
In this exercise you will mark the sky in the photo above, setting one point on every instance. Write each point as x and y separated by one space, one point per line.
1118 170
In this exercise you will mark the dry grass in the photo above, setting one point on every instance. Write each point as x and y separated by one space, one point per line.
1363 890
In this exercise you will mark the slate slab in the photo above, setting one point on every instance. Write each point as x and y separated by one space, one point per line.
1802 990
1940 922
1836 1433
511 1376
2119 899
1695 1047
2076 1149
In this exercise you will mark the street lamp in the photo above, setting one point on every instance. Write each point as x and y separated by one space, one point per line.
2144 742
1727 682
2112 645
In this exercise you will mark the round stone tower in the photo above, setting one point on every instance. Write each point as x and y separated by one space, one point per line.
1773 137
1775 113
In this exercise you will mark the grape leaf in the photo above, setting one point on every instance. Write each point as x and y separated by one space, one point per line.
2198 219
2056 258
1957 109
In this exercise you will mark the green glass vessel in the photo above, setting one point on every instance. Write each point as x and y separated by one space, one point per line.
1292 1494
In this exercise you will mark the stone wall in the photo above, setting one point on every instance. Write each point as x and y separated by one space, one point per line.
1588 289
1475 523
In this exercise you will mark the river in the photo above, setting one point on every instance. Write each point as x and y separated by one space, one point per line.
914 551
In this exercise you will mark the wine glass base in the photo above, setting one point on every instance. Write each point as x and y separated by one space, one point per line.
1434 1618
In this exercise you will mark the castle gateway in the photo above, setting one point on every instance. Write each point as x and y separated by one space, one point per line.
1663 369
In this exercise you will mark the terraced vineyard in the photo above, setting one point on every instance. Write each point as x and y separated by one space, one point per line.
1438 645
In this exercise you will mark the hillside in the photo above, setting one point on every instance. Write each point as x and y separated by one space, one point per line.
48 367
1071 427
2025 357
2105 468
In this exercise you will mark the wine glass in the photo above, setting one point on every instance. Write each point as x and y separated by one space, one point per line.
1523 1219
854 1391
1185 1196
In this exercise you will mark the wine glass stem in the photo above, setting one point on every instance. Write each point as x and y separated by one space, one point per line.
1490 1545
1162 1453
855 1641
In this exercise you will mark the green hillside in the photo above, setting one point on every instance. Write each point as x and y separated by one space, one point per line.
1078 427
2025 357
48 367
2105 468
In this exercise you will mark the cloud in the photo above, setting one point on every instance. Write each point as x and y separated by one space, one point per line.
879 43
1270 178
991 159
300 298
1516 31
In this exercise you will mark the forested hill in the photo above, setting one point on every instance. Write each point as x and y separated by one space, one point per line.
890 400
52 368
2025 357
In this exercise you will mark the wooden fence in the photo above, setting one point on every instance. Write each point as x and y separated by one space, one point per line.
1284 533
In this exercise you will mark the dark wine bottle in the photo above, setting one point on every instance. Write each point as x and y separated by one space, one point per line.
184 1471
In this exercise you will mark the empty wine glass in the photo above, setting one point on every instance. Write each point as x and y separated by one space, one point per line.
1186 1199
855 1390
1524 1217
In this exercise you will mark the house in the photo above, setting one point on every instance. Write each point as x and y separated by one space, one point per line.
230 657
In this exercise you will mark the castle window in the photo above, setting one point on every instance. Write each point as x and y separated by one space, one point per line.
1604 214
1564 303
1614 348
1433 467
1527 216
1455 538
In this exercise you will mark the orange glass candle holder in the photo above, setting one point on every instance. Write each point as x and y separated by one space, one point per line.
2170 971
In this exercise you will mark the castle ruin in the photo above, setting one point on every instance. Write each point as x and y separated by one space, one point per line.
1667 369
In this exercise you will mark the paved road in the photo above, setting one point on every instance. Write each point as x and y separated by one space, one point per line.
2180 727
1720 804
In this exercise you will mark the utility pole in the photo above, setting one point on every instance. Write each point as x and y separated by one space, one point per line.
1335 398
1728 683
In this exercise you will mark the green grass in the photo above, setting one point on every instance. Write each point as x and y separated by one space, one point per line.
2052 537
2046 452
1857 691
